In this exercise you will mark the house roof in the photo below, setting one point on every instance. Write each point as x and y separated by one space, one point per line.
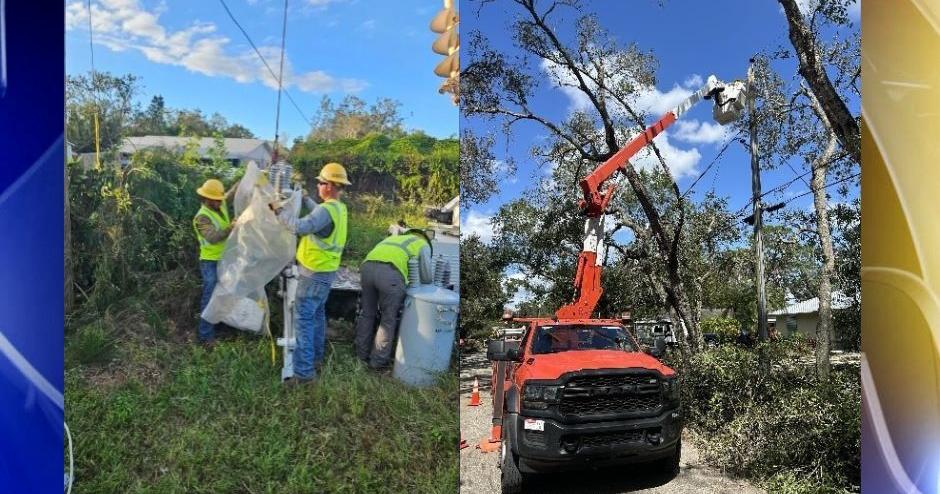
811 306
236 148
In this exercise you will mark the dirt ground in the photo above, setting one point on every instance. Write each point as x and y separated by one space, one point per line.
479 473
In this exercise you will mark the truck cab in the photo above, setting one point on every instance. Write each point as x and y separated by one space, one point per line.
580 393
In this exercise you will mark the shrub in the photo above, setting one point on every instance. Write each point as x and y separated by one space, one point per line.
758 425
92 344
725 327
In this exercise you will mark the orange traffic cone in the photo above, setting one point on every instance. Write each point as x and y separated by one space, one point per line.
475 394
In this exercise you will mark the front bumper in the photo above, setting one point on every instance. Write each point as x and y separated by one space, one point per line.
595 444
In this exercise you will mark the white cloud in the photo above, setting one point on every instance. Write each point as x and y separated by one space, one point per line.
681 162
123 25
697 132
655 102
649 99
479 224
368 25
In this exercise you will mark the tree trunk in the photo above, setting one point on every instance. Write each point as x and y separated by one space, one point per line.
841 121
668 254
824 328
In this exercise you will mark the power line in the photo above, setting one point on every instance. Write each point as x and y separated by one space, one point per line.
94 90
715 160
265 62
811 190
280 83
784 185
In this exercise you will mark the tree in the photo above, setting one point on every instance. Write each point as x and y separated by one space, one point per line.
610 76
352 119
153 120
479 312
106 96
804 37
479 170
822 131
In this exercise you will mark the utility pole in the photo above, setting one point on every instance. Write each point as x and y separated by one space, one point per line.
758 220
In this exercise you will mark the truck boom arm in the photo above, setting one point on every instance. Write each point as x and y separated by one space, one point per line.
729 102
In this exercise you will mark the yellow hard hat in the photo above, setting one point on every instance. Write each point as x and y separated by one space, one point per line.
334 172
212 189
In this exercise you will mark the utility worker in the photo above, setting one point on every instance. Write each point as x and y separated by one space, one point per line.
212 227
321 246
384 276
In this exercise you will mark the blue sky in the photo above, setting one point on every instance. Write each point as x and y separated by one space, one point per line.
193 54
691 41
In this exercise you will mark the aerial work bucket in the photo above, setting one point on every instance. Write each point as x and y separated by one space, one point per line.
733 98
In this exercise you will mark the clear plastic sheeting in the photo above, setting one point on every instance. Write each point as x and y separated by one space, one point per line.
246 187
255 253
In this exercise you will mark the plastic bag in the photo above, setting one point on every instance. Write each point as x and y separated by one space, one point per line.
246 187
255 253
246 313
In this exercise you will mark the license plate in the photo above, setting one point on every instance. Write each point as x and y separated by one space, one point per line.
534 425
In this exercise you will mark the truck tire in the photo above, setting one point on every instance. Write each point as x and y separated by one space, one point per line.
511 479
670 465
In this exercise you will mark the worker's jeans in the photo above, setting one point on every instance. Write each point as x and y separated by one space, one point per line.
210 276
383 291
310 327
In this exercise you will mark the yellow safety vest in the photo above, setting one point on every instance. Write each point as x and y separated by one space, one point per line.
208 251
322 255
396 250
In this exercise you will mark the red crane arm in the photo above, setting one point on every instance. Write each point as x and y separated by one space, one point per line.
587 281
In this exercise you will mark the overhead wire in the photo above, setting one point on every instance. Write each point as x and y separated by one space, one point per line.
280 83
714 160
265 62
94 90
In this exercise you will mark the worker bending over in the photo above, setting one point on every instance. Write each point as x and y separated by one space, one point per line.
384 280
323 237
212 227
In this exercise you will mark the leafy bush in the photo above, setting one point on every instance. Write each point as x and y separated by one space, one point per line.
758 425
725 327
414 167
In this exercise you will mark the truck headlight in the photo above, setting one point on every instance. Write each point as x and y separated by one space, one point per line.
540 392
671 388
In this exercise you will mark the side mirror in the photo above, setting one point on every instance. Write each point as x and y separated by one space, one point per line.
503 351
659 347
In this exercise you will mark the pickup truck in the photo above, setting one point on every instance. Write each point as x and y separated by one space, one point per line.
579 394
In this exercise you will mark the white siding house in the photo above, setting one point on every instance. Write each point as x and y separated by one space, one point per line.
238 151
803 317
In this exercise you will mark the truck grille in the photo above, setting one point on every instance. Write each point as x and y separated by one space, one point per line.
586 396
612 438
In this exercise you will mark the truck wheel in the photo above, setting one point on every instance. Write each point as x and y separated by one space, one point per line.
511 478
670 465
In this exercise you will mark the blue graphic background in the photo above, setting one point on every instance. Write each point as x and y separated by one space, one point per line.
31 245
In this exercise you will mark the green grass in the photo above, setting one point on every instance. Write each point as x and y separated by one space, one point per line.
150 411
221 421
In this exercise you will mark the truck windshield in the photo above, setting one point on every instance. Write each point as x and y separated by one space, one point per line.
568 337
